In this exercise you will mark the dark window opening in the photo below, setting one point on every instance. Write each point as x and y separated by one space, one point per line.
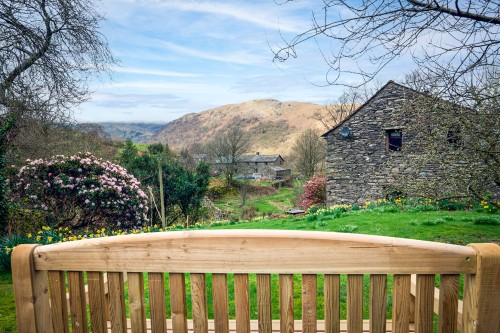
453 137
394 140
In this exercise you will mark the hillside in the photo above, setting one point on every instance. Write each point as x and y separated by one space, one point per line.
273 125
137 132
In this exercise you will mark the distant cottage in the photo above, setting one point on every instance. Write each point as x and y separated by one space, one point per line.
368 153
267 166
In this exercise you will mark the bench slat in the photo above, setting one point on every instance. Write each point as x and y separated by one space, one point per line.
157 302
78 309
264 303
378 303
355 303
286 303
117 312
137 306
424 303
58 302
255 251
242 303
178 302
309 285
448 303
221 315
332 303
97 302
401 299
199 303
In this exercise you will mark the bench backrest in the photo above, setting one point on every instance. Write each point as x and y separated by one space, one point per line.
43 275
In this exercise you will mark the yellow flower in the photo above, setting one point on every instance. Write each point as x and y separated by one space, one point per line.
49 239
29 235
8 250
38 238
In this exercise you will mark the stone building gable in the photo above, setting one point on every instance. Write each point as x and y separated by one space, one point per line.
360 167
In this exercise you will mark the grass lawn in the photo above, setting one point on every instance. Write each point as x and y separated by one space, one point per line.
457 227
262 198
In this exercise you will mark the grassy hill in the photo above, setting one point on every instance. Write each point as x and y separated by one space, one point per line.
272 125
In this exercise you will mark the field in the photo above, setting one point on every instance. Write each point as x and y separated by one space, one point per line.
457 227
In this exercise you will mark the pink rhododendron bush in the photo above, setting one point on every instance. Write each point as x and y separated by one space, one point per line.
314 192
81 191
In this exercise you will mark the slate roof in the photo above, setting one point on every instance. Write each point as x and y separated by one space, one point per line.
259 158
371 99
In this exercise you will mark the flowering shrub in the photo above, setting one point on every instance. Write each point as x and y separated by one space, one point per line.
314 192
82 191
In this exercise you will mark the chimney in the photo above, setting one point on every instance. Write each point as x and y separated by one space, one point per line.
257 153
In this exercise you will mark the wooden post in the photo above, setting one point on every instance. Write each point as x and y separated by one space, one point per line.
482 291
31 291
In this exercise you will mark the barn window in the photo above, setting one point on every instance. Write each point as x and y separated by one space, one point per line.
453 137
394 139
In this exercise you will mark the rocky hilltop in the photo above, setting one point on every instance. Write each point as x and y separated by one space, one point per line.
273 125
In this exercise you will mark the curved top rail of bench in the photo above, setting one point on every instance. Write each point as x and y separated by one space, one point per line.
257 251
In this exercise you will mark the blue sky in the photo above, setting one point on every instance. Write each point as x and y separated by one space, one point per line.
177 57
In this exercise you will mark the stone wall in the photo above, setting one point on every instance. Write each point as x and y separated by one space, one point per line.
360 168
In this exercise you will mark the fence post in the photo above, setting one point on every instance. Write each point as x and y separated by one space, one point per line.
31 291
482 291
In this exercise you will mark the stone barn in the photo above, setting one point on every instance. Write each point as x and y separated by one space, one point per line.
368 153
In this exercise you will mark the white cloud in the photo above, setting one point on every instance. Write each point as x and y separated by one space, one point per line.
258 14
143 71
235 57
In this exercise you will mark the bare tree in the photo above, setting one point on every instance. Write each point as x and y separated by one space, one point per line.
369 34
226 148
347 103
48 50
309 152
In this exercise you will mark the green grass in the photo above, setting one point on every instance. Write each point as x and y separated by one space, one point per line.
7 306
455 227
275 203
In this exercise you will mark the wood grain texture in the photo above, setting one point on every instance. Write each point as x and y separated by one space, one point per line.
221 315
117 312
199 303
482 304
242 303
309 285
97 302
31 291
78 310
378 303
178 302
424 303
448 303
157 303
286 303
265 251
401 303
264 303
137 307
58 301
355 303
332 303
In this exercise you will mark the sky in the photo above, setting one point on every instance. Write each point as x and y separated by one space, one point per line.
178 57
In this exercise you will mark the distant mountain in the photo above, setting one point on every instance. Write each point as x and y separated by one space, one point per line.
137 132
273 125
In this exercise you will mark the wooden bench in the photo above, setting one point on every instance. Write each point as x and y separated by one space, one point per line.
197 261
